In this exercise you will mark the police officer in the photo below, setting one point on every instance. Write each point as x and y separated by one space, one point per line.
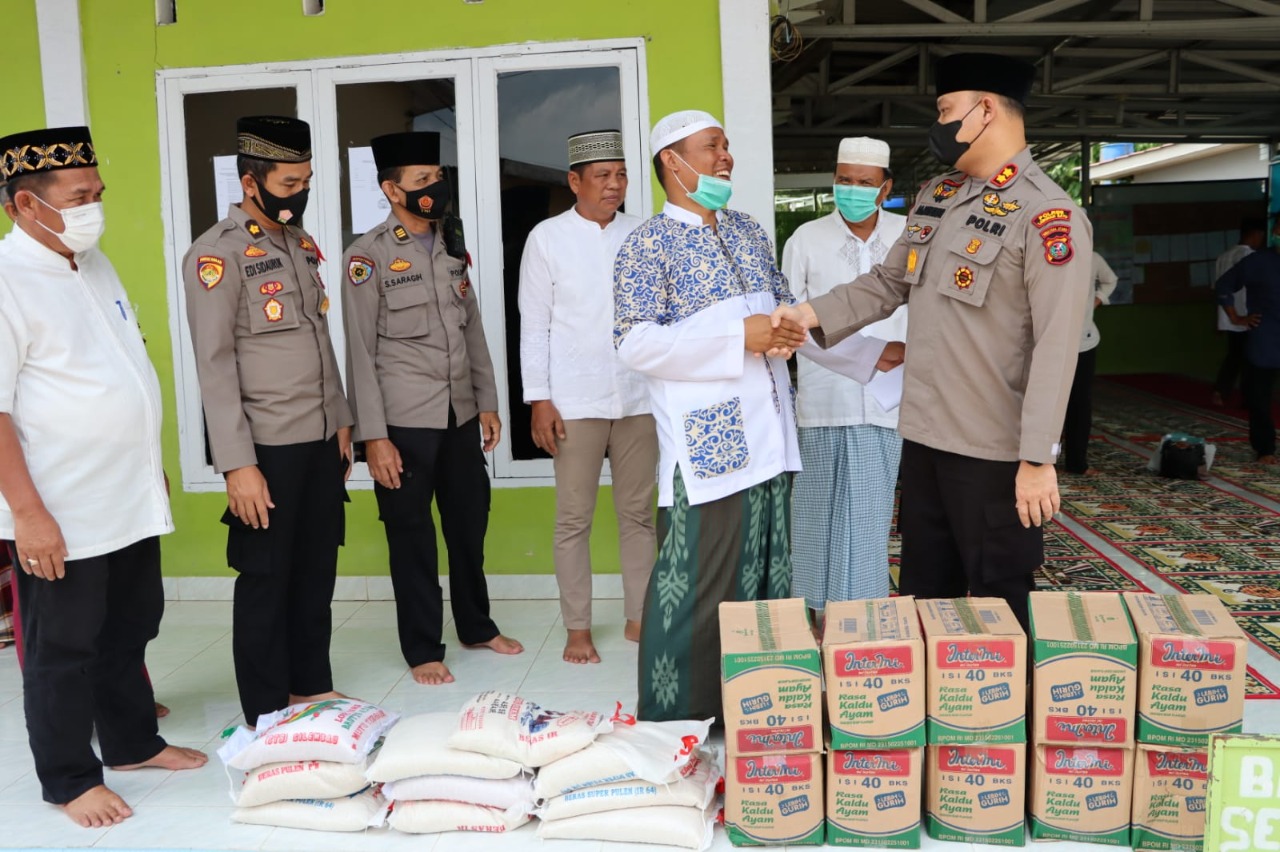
995 260
279 428
421 384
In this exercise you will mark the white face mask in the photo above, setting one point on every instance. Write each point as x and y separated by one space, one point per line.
82 226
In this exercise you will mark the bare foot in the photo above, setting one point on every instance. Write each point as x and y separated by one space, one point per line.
501 644
170 757
161 710
579 648
432 674
97 807
311 699
632 631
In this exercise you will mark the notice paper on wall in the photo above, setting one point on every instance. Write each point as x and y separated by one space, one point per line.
369 206
226 184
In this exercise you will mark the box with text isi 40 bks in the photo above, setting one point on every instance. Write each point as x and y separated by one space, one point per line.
874 797
873 659
1191 669
977 793
1170 789
977 671
1081 793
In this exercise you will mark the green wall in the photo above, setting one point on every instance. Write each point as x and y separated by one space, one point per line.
124 48
23 104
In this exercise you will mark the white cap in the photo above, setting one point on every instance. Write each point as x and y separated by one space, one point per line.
680 125
863 151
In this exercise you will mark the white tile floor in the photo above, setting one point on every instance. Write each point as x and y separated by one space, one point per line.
191 667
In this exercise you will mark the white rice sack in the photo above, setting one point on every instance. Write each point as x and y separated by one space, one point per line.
417 745
351 813
342 730
437 817
689 828
501 794
503 725
647 751
303 779
697 789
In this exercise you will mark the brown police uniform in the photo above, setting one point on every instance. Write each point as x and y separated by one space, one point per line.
272 397
418 373
995 273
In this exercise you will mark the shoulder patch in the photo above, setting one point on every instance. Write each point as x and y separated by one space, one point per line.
399 265
359 270
1057 244
1055 214
400 233
254 229
1005 176
946 188
209 270
253 251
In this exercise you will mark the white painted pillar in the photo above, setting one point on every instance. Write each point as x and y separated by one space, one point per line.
62 63
748 105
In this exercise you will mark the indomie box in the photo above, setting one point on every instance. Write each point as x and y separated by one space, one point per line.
1169 790
976 793
873 658
1191 668
873 797
1085 658
772 678
977 667
1082 794
774 799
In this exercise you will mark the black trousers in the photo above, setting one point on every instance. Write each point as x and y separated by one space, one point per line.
281 619
1079 420
960 530
1235 365
1259 382
446 464
86 638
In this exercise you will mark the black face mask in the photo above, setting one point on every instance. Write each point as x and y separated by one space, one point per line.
943 143
428 202
287 210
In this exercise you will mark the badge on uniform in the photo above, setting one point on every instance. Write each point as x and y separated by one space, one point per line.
399 265
1057 244
911 261
919 232
271 288
306 244
359 270
464 287
994 205
254 251
324 306
1005 175
964 278
973 246
274 310
400 233
209 269
1057 214
946 189
254 229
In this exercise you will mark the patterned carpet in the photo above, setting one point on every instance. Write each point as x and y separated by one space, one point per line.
1215 537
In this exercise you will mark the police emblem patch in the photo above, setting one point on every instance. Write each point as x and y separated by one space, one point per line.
946 189
209 269
911 261
271 288
973 246
1005 175
994 205
399 265
1057 244
964 278
254 251
359 270
306 244
1057 214
274 310
464 287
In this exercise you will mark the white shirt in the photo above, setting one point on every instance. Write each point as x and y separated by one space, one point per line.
820 255
1226 260
1104 284
566 319
84 398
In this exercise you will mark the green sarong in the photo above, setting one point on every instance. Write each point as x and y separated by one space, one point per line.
736 548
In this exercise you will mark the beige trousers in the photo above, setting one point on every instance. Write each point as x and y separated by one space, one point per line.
632 447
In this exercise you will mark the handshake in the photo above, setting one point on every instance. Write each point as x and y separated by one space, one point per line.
784 331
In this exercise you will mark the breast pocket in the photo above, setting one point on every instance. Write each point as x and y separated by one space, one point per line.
274 305
716 439
407 312
965 271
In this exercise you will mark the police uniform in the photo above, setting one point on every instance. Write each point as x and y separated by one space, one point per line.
272 397
419 373
995 270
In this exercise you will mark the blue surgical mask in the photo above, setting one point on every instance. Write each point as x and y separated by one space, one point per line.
712 193
856 203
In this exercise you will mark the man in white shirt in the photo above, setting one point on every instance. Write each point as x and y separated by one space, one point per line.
1079 419
849 444
1235 365
82 492
586 404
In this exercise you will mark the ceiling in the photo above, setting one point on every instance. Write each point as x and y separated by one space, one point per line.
1108 70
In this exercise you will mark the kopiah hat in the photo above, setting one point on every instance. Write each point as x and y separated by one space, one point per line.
595 146
415 148
984 72
863 151
45 150
672 128
277 138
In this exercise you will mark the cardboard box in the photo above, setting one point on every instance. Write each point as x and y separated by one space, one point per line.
873 797
772 678
774 799
1169 790
1082 793
873 659
977 671
976 793
1085 657
1191 668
